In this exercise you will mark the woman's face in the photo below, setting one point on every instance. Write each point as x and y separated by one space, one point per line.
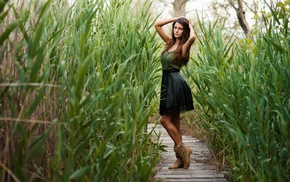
178 30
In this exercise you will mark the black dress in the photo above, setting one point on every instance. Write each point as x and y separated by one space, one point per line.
176 95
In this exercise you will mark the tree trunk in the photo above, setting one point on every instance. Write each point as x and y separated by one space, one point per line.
241 16
179 7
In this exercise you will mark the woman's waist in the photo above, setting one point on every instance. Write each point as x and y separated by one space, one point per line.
170 70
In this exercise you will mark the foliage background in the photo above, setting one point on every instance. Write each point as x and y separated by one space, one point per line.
243 97
79 83
76 86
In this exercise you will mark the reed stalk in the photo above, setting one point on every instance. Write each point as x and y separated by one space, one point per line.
77 81
243 96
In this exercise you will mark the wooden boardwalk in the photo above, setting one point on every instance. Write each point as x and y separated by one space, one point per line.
201 169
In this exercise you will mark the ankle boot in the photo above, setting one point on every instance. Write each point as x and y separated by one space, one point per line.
184 152
177 164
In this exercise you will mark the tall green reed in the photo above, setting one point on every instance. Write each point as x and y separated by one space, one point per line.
79 91
243 93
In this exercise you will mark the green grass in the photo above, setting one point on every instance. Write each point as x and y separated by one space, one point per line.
76 86
243 97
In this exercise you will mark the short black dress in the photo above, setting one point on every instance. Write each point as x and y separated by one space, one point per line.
176 95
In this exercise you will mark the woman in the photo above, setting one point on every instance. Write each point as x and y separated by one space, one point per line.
175 93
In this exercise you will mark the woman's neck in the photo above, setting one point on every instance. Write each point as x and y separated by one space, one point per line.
174 46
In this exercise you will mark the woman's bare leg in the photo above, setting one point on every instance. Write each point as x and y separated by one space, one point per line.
174 133
176 122
172 124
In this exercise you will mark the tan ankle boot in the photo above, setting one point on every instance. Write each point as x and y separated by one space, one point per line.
177 164
184 152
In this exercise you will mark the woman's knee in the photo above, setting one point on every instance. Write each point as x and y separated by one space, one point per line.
164 121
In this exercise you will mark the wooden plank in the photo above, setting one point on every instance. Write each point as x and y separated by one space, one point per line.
188 176
191 168
201 168
196 180
193 164
197 172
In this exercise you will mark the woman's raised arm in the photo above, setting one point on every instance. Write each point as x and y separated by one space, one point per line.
189 42
158 26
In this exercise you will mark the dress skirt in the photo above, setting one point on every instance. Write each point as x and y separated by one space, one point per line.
175 95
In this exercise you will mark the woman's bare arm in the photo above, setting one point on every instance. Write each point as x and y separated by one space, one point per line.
189 42
158 26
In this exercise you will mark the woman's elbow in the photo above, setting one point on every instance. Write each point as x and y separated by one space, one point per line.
192 38
156 24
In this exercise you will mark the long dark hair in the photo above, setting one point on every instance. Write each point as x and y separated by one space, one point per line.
186 33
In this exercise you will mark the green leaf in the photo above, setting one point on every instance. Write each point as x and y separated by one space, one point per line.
35 102
80 172
2 5
8 30
38 143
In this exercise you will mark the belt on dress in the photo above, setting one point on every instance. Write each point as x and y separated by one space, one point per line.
170 70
